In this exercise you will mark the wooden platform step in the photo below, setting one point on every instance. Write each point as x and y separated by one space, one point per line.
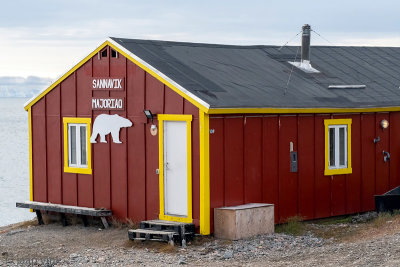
153 235
166 231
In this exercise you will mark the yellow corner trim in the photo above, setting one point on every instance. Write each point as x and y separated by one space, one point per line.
204 174
188 119
68 169
30 156
347 170
298 110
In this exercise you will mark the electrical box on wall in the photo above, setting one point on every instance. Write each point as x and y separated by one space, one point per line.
293 161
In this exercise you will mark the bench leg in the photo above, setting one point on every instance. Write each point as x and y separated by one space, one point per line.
104 221
39 217
63 219
84 220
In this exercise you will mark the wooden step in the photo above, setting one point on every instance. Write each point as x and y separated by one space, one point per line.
153 235
167 231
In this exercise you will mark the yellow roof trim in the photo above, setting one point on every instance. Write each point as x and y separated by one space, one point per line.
298 110
142 64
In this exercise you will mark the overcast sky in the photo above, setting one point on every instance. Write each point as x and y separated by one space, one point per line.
45 38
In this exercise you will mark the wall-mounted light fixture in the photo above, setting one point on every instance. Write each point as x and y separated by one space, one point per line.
384 124
150 116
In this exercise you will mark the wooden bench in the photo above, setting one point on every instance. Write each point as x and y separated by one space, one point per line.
65 209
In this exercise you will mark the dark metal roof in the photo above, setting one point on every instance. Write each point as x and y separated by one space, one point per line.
228 76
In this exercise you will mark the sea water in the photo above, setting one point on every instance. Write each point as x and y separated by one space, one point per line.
14 160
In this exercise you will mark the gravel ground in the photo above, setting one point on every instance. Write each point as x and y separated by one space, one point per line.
366 244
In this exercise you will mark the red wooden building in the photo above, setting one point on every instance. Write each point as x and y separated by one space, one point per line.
230 125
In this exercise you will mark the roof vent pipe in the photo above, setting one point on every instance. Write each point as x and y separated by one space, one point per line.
305 43
305 64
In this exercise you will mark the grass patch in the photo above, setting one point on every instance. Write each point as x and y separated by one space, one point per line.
381 220
333 220
293 226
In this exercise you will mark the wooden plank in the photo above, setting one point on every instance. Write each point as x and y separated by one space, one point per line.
233 131
161 222
306 152
153 232
287 180
253 160
270 163
63 208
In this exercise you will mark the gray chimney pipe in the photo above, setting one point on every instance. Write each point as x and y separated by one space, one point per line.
305 43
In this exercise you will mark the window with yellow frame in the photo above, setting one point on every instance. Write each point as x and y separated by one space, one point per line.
337 146
77 154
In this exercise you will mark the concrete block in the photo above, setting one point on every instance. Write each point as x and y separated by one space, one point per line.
243 221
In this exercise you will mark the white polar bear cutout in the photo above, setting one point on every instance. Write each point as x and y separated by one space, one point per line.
105 124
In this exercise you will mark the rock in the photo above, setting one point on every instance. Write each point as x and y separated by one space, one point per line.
228 254
182 260
73 256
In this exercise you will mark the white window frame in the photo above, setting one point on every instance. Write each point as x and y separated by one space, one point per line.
77 145
337 146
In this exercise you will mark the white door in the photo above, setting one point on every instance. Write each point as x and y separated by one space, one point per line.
175 168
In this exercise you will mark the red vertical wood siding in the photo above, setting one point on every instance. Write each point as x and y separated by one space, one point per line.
322 182
353 180
270 162
124 175
394 130
68 109
84 92
253 160
54 146
217 184
235 163
39 151
382 168
234 183
287 179
306 166
367 162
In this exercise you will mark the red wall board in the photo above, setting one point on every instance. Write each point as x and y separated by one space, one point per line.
173 102
306 166
322 182
270 162
216 165
394 128
54 146
39 151
234 191
382 168
287 179
367 162
353 180
253 159
137 172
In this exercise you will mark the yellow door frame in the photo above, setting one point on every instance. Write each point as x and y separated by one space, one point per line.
188 119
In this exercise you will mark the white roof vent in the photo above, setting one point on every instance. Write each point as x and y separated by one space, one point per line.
348 86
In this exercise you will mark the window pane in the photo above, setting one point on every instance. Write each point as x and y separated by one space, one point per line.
332 147
83 145
341 146
72 135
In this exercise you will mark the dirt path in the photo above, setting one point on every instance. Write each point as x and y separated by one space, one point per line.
375 243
